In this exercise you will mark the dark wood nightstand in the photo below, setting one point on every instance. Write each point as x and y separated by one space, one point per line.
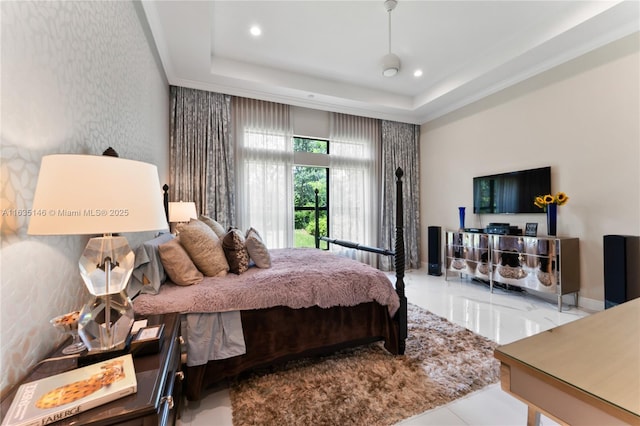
157 401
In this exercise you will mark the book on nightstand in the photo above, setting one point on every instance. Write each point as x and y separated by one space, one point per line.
66 394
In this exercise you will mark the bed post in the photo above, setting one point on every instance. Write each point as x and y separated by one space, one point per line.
165 200
317 235
401 315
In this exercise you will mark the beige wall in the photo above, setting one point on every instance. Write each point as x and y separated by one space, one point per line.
582 119
77 77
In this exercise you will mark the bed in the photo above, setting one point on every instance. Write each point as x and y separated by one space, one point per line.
297 307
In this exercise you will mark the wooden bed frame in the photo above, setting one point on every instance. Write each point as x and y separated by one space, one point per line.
328 330
401 315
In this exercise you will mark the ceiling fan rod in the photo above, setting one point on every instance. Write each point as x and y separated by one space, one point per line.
390 5
390 61
389 16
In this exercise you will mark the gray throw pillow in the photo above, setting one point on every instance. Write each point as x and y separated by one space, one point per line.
257 249
204 248
217 228
178 264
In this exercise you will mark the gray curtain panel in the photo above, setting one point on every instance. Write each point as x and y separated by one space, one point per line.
400 148
201 152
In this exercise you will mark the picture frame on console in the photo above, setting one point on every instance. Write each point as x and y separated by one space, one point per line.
531 229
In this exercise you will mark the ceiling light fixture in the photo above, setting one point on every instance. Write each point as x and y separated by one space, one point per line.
390 61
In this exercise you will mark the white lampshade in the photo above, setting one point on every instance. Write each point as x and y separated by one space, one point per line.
95 194
182 211
91 194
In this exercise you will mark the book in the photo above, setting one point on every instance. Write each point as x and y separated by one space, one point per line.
54 398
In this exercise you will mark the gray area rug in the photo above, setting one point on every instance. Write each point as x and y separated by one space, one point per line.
367 385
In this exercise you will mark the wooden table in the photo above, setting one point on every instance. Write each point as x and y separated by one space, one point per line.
156 401
586 372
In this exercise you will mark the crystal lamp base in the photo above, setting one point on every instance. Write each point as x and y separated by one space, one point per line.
106 319
105 322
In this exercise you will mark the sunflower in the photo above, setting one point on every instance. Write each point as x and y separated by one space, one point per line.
561 198
541 201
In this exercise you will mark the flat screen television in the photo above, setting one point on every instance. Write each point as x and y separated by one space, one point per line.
512 192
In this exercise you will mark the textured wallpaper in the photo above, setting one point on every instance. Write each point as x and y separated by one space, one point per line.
76 77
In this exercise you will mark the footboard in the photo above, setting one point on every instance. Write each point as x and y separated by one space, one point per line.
399 256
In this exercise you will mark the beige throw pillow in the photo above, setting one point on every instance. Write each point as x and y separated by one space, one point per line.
178 264
204 248
257 249
234 249
217 228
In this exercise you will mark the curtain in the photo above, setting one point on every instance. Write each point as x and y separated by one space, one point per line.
354 146
264 159
201 155
400 148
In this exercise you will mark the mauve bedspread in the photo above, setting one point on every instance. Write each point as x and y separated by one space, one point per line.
298 278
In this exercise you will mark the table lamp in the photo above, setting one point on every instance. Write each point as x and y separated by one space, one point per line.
182 211
91 194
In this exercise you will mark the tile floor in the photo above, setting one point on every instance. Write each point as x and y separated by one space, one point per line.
503 316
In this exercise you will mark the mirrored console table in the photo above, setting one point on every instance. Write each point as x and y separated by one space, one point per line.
544 264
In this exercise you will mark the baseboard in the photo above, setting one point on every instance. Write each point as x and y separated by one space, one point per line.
589 304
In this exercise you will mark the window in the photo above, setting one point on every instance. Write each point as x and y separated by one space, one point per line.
306 180
343 169
310 173
315 146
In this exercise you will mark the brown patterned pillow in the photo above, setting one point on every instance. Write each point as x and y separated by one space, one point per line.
234 249
204 248
257 249
217 228
178 264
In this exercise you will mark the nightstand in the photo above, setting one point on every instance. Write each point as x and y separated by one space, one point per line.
157 400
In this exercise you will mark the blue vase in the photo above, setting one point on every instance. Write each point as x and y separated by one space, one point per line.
461 216
552 217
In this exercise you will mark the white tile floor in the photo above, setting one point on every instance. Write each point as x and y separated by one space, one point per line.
501 316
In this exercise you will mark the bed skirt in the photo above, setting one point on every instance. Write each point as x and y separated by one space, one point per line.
280 334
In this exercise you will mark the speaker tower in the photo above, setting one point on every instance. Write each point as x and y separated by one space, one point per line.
621 269
435 253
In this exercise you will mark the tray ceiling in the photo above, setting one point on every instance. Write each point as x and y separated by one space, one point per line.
327 54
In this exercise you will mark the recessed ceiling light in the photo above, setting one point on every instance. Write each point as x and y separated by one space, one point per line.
417 73
255 31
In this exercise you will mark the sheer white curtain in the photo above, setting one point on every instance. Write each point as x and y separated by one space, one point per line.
264 161
354 182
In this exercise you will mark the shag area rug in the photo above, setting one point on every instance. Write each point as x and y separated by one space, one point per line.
367 385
